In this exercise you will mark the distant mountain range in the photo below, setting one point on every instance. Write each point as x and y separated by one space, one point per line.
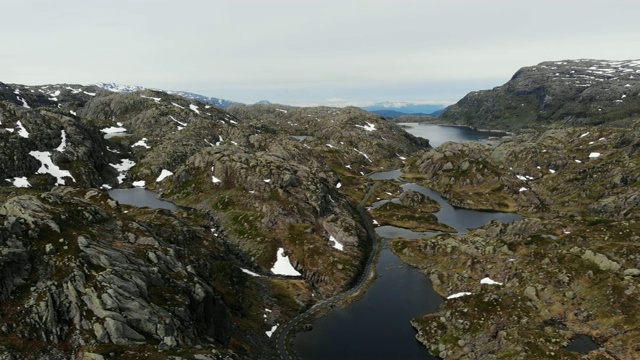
393 109
222 103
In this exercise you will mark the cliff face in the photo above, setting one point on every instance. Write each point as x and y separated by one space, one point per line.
575 92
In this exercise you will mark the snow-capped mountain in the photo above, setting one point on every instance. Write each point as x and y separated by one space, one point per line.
222 103
119 87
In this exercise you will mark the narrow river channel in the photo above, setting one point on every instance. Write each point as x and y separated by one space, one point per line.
376 326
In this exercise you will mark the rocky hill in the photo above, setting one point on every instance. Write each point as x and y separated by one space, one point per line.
523 290
83 276
574 92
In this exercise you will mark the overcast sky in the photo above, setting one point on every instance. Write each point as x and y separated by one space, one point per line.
307 51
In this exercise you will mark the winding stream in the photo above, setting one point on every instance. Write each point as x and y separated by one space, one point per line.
376 326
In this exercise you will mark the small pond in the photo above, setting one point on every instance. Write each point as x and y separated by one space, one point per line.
140 197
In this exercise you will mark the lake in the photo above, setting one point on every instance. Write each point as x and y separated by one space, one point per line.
376 326
140 197
438 134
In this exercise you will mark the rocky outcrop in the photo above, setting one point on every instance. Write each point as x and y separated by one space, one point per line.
566 269
575 92
75 271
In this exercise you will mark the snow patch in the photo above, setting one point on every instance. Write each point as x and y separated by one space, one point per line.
140 183
174 104
24 102
273 329
194 108
20 182
48 167
215 180
21 130
113 130
457 295
368 127
594 155
336 244
163 175
488 281
63 142
142 142
283 265
249 272
338 185
157 100
122 168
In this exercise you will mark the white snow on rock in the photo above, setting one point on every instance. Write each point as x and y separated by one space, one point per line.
585 134
88 93
215 180
73 113
122 168
194 108
375 222
20 182
140 183
249 272
338 185
113 130
142 142
523 189
179 122
363 154
331 146
488 281
63 142
273 329
578 161
368 127
457 295
267 180
24 102
48 167
283 265
336 244
174 104
552 171
21 130
520 177
105 187
163 175
157 100
594 155
282 110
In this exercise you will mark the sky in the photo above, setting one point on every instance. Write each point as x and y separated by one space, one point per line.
307 52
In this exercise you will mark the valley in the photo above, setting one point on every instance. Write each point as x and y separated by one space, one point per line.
511 244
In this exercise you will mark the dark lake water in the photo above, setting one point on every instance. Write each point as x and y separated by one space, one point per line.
141 198
582 344
438 134
376 326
